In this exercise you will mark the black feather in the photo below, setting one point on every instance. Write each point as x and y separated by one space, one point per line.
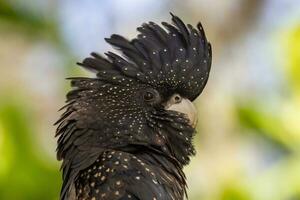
116 145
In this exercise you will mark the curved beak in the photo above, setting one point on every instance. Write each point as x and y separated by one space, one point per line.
185 106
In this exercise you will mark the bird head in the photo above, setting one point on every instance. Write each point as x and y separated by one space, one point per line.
142 98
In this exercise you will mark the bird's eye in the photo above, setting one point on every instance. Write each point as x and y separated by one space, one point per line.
148 96
151 96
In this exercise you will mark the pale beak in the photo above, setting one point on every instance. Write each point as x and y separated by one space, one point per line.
183 105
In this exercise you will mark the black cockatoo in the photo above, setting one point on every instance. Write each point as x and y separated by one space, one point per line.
127 133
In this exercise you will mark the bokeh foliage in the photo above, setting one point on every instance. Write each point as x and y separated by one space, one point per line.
23 174
27 172
280 126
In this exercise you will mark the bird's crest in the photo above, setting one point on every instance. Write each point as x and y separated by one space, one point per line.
176 57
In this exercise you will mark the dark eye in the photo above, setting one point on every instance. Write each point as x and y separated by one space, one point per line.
148 96
151 96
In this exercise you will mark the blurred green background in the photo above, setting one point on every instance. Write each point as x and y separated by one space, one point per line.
248 139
